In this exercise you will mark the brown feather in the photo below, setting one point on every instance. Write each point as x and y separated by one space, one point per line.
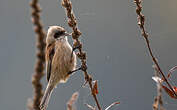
50 51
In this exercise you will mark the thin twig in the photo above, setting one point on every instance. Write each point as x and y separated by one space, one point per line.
158 102
81 55
90 107
113 104
141 21
39 67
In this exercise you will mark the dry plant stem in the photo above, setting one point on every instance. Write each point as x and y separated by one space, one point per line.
113 104
81 55
39 67
141 20
72 101
158 102
90 107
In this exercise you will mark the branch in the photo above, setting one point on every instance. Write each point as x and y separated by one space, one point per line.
113 104
39 68
158 102
141 21
90 107
81 55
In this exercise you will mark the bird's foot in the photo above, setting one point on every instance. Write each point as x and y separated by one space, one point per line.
73 49
69 73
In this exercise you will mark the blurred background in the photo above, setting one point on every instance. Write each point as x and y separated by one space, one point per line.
117 54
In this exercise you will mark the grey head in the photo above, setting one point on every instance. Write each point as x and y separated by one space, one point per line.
55 33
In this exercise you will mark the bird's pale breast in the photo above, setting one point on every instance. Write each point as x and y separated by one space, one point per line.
61 63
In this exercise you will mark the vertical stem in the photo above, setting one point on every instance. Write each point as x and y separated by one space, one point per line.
39 67
81 55
141 21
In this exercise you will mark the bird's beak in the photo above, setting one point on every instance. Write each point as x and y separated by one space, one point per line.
67 34
64 35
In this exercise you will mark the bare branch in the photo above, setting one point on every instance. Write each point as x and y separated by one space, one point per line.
113 104
141 21
158 102
90 107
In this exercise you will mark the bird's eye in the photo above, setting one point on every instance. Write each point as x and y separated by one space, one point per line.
58 34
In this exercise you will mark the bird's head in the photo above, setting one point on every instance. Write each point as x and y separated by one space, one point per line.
55 33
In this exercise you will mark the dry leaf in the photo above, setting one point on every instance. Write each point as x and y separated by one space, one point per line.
175 89
169 92
95 87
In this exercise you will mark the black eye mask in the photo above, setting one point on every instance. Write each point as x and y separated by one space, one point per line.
58 34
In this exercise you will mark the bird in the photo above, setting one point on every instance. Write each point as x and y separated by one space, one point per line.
59 63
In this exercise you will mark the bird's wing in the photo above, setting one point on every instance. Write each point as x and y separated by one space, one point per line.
50 51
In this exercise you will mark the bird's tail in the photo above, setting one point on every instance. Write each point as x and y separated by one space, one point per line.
46 97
